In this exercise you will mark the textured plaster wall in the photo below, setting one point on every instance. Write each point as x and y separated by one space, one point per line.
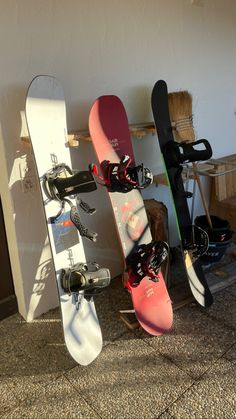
105 47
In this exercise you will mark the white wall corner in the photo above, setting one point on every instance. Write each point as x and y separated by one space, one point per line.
10 231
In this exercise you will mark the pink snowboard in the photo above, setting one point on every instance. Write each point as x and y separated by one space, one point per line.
109 130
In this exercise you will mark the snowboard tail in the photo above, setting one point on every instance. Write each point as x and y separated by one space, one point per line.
195 274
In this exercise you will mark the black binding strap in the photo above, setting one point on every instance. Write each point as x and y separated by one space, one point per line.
177 154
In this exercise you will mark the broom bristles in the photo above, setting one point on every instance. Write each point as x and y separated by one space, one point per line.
180 108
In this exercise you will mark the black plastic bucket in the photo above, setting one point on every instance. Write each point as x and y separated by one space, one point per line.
220 231
215 252
220 237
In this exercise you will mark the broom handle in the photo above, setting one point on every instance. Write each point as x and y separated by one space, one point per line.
202 195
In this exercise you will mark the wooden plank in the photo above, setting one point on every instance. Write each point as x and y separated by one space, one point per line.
77 136
225 185
160 179
138 130
129 319
220 184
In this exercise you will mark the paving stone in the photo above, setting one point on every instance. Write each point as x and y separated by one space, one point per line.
48 327
10 321
27 368
224 308
195 341
166 415
213 396
108 305
232 289
11 331
189 373
129 380
199 404
44 331
222 377
57 400
8 399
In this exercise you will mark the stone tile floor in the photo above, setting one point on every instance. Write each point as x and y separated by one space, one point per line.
189 373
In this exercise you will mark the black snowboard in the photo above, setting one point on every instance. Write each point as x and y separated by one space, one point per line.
195 274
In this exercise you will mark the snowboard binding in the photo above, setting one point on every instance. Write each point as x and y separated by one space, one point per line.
61 182
196 241
123 176
80 278
147 261
178 154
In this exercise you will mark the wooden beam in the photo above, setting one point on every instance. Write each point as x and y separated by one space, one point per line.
136 130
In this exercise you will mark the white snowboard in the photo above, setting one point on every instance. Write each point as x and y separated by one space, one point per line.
46 120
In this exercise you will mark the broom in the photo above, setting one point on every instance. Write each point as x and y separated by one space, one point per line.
180 108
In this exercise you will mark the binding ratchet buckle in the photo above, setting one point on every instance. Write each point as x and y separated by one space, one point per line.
147 261
124 176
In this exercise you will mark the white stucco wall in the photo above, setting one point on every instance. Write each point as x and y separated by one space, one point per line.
105 47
